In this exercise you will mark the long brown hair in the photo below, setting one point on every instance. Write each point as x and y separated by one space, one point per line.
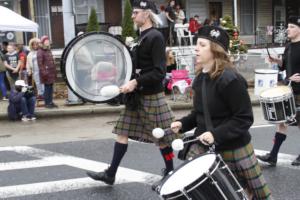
221 61
170 59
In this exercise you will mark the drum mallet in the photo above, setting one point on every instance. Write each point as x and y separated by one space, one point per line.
160 133
110 91
178 144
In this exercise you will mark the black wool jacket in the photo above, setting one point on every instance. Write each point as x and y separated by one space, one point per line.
229 106
294 60
151 59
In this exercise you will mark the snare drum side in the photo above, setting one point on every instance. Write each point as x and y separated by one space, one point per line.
278 109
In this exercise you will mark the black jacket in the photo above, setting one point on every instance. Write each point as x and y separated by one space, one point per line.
151 60
229 106
294 63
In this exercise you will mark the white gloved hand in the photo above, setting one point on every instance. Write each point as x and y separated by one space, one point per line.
24 89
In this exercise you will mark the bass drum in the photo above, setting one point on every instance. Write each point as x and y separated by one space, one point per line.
94 60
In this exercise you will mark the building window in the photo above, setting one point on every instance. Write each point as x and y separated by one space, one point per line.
83 7
247 17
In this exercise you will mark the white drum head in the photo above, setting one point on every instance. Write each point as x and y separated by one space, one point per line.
94 61
276 92
187 174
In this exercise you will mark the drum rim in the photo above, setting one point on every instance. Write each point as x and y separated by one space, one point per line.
194 184
276 99
276 87
67 51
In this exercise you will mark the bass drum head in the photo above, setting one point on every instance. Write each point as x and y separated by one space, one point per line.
187 174
92 61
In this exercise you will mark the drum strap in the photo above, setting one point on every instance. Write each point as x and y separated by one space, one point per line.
207 118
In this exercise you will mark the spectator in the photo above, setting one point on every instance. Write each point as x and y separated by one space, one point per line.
2 76
170 13
33 68
21 102
207 22
12 65
163 27
170 60
4 47
47 70
194 24
22 59
170 65
180 16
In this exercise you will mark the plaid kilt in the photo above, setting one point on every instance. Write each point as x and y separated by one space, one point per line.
153 112
244 165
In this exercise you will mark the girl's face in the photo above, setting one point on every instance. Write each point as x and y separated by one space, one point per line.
203 52
293 31
10 48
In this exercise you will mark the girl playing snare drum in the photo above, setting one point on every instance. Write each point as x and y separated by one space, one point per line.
230 110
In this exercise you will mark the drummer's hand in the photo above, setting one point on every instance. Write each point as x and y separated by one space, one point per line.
128 87
295 78
207 138
274 60
176 126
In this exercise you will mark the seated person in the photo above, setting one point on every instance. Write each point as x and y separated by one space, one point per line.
21 102
170 61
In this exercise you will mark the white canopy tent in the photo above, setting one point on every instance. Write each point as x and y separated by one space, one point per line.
12 21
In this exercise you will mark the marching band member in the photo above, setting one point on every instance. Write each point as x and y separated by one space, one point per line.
152 110
290 63
230 110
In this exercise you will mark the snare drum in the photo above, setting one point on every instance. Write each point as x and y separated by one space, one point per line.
278 104
204 177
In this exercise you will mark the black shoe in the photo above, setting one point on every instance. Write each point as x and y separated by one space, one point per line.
267 158
296 162
101 176
155 186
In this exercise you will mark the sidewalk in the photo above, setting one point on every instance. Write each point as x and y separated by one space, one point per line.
89 108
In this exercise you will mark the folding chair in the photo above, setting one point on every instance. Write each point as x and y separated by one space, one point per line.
180 85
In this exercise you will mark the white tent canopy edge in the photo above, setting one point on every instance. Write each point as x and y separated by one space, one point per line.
12 21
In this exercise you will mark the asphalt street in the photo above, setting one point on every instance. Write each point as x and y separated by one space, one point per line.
47 159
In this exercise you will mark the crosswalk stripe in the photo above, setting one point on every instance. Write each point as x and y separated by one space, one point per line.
50 187
124 174
48 158
283 160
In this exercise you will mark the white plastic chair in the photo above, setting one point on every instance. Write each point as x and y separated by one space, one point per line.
181 29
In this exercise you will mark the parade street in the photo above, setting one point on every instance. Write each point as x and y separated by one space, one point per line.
47 159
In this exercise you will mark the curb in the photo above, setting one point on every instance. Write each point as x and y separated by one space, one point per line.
89 110
99 109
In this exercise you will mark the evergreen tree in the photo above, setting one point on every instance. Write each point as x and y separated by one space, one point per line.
127 23
93 21
236 44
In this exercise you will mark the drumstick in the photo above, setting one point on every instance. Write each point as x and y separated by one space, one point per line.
268 52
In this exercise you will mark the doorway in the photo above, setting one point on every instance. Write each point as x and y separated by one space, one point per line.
113 12
57 27
215 12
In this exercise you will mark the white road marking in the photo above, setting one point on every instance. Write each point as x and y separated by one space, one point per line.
48 158
262 126
283 160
